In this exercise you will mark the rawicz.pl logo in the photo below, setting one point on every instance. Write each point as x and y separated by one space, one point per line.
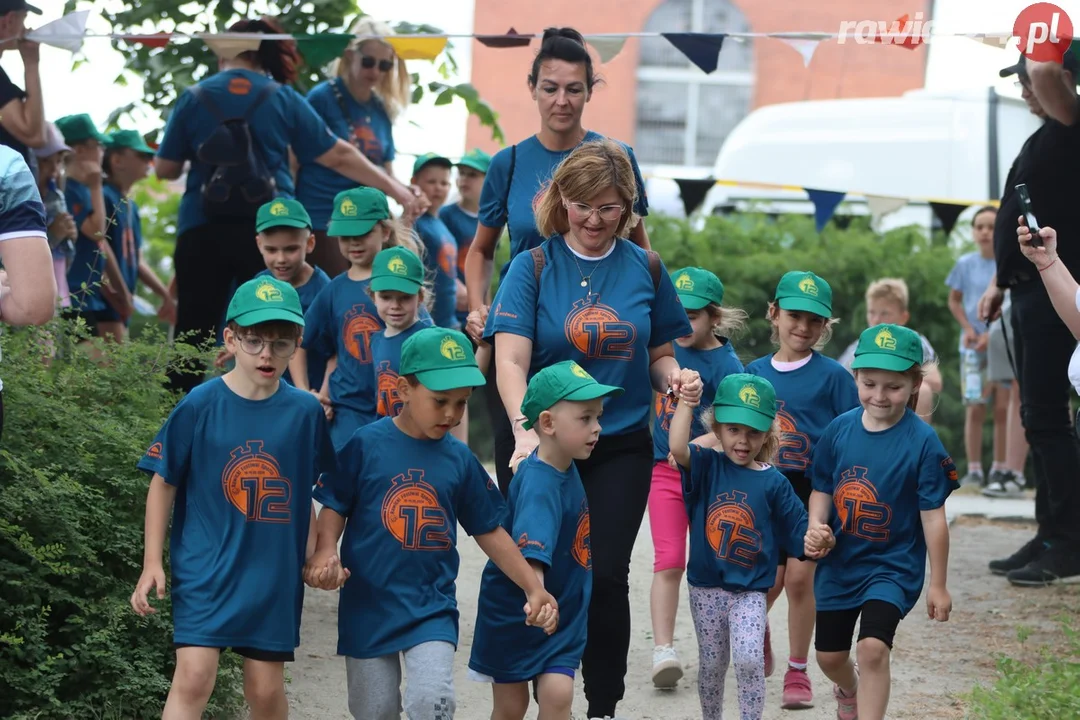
902 31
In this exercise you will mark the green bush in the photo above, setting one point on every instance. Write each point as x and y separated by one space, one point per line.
1049 687
71 531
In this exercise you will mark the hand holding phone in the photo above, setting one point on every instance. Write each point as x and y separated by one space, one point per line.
1029 214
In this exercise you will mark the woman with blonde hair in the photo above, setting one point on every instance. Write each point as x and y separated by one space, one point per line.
368 90
589 295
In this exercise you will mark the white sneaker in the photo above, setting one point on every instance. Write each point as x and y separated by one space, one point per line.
667 671
1004 484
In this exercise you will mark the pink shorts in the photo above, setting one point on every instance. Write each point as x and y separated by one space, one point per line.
667 518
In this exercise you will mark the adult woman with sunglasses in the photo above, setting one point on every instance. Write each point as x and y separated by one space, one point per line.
561 82
370 88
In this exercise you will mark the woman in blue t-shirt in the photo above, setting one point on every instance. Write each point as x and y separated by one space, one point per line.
561 82
591 296
214 251
370 87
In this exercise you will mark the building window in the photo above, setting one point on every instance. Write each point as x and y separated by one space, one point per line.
684 115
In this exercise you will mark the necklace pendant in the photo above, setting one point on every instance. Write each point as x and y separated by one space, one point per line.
584 283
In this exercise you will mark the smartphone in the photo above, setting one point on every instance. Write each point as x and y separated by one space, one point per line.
1029 214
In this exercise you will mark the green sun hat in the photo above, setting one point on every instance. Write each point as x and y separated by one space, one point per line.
357 212
564 380
282 212
744 399
264 299
888 347
441 360
128 139
805 292
476 159
398 269
697 288
79 128
430 159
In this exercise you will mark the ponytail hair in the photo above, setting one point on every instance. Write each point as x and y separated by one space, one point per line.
565 44
394 88
280 58
728 322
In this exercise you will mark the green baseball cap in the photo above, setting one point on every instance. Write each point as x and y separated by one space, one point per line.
357 211
399 269
476 159
441 360
744 399
697 288
282 212
804 291
564 380
888 347
430 159
128 139
264 299
78 128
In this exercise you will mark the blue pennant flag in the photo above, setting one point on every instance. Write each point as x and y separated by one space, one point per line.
702 49
825 202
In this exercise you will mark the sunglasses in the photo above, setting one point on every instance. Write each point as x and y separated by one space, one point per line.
367 62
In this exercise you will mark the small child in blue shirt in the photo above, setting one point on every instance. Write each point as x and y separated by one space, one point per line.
397 287
235 464
402 486
461 218
881 477
549 517
743 512
431 173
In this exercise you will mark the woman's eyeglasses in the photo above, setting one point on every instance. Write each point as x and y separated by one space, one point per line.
253 345
367 62
584 212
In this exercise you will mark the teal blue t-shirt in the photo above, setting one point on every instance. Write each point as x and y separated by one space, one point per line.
403 500
385 361
462 226
740 519
125 233
549 519
808 399
243 472
609 334
88 265
440 259
285 120
367 126
713 365
316 362
879 483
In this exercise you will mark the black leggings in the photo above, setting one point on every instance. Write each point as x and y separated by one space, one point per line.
501 430
210 261
617 479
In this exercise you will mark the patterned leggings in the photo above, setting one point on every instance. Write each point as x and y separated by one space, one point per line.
722 618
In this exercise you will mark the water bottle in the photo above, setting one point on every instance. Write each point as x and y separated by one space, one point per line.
973 389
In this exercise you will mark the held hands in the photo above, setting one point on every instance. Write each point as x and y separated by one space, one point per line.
167 313
547 617
1044 256
525 441
819 541
686 385
325 571
152 576
474 324
938 603
327 404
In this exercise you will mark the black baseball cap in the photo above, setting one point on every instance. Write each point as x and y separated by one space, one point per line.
1070 60
8 6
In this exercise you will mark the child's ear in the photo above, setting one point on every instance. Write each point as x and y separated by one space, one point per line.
403 388
310 247
545 423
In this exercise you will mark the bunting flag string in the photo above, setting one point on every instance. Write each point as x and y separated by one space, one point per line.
825 204
947 214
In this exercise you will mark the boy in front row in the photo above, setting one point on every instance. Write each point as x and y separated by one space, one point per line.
238 457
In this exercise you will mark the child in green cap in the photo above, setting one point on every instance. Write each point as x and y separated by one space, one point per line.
402 486
811 390
431 173
881 476
238 456
461 217
743 513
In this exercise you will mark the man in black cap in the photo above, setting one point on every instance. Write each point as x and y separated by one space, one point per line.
22 113
1047 164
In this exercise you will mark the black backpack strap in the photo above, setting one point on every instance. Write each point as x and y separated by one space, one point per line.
264 94
506 195
538 264
654 268
204 99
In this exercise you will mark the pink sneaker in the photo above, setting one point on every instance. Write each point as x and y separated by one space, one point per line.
768 652
847 708
798 694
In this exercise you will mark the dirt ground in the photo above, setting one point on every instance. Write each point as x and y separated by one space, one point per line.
933 664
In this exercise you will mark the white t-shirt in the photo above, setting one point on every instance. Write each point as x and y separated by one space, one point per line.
1074 362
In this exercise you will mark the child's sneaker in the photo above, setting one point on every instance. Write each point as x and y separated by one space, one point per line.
972 479
666 668
847 706
769 663
798 693
1004 484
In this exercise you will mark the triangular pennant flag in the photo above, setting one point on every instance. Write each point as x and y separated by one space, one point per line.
804 47
902 25
702 49
947 214
417 48
606 46
511 39
999 40
825 203
318 50
157 40
880 206
65 33
227 48
693 192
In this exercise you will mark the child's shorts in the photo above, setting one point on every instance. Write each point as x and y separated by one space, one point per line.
90 317
275 656
554 670
834 628
998 368
668 521
803 488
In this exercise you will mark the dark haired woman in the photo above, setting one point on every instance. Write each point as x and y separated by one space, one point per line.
215 249
561 81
